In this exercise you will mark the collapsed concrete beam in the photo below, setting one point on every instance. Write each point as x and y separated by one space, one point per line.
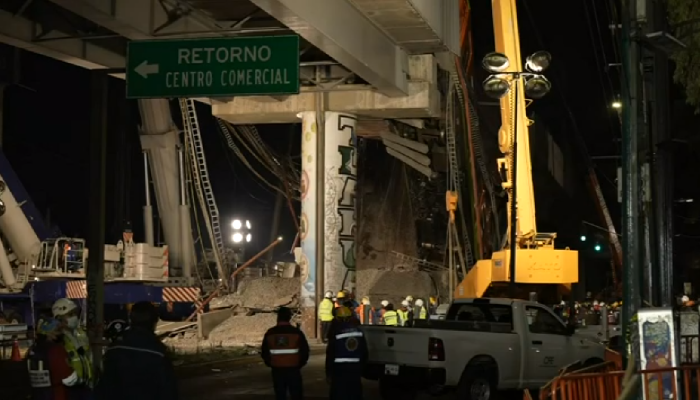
423 100
344 33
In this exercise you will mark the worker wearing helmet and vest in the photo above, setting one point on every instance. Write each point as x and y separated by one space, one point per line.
325 314
76 344
365 312
346 355
432 308
286 351
381 311
405 314
391 317
339 300
46 362
419 310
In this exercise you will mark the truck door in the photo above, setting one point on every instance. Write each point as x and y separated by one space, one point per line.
548 343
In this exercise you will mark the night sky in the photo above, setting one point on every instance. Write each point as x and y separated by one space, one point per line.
47 124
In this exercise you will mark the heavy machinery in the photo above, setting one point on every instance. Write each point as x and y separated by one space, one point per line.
38 266
539 267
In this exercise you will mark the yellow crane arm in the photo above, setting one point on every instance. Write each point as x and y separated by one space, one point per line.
507 37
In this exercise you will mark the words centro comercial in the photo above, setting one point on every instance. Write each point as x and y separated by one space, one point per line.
233 77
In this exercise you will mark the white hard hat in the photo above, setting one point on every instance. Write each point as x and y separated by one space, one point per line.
385 303
409 298
404 303
63 307
685 299
419 303
328 294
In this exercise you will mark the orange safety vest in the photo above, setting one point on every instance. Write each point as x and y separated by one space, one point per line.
361 311
284 349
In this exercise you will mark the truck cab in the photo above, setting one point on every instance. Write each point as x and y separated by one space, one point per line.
489 344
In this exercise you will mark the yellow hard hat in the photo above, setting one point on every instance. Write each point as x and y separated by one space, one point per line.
341 295
343 312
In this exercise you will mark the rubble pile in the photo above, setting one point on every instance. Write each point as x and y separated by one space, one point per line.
262 295
245 330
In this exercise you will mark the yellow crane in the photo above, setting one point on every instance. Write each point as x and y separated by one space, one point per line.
537 262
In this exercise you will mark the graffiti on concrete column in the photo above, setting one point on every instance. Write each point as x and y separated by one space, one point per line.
347 175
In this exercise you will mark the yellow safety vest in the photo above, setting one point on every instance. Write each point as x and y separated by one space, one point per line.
422 314
325 310
404 316
77 346
391 318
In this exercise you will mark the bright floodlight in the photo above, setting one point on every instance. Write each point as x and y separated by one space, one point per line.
236 224
247 224
495 62
617 104
279 238
237 238
538 61
248 238
537 86
496 86
583 238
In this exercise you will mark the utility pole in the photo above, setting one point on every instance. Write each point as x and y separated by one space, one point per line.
631 261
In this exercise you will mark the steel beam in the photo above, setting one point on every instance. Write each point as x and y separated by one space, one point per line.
344 33
143 19
19 32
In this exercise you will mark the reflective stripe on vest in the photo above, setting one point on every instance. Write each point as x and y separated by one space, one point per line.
284 350
347 360
391 318
348 334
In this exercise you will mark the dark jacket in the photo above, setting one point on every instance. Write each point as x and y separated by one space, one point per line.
136 366
285 329
337 327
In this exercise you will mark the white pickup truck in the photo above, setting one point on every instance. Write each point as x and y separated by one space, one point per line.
482 345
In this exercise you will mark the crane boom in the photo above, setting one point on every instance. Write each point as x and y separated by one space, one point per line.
537 263
507 38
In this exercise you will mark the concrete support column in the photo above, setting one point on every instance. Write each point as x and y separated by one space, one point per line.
338 208
340 179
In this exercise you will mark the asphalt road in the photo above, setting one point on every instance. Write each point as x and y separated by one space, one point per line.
253 382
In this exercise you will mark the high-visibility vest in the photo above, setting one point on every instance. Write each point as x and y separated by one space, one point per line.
403 317
366 314
391 318
347 345
325 310
77 346
420 312
284 350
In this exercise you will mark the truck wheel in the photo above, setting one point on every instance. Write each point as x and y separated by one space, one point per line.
390 389
477 385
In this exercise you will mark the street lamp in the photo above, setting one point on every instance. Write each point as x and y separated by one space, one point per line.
499 84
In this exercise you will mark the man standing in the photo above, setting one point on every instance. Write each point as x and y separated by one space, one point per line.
136 364
346 355
325 314
365 312
286 351
77 346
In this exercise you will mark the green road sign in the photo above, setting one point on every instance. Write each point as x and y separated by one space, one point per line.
211 67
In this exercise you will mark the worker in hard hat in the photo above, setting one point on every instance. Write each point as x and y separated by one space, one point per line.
325 314
405 314
381 311
339 300
286 351
409 299
76 344
365 312
390 317
419 310
433 305
46 361
346 355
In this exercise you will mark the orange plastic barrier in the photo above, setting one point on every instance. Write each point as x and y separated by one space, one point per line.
657 384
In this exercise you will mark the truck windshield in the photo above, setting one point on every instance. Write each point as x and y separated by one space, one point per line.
473 312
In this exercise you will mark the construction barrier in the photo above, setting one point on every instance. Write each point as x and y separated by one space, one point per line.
657 384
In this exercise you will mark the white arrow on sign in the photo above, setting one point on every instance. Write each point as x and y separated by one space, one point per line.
144 69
